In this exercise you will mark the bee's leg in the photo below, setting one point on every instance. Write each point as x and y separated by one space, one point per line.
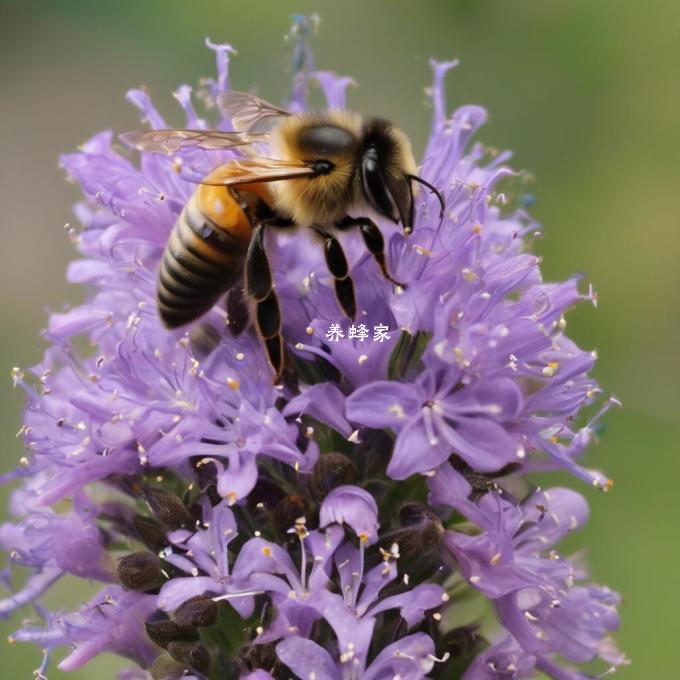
373 238
237 309
260 288
338 267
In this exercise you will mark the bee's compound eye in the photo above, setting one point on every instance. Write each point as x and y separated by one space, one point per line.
375 189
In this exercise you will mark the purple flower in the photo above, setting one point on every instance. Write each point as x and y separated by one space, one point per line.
323 526
206 552
353 506
112 621
503 660
410 657
511 552
532 585
55 544
438 414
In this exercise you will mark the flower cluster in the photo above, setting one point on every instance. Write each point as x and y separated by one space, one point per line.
326 527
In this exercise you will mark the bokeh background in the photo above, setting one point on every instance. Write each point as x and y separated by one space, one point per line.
587 94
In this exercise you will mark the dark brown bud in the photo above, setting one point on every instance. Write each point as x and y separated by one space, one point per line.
169 509
422 529
198 611
163 633
415 512
167 668
150 532
463 641
253 657
193 654
287 510
140 571
332 470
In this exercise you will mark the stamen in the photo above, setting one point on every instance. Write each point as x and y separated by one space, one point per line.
429 427
233 596
358 576
300 529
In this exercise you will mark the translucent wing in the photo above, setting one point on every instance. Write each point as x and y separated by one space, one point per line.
171 141
249 113
252 170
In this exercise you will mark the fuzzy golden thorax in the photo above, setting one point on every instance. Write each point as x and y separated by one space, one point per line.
341 138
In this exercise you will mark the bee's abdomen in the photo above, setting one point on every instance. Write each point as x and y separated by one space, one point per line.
201 261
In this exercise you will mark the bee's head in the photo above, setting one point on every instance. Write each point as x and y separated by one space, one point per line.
388 169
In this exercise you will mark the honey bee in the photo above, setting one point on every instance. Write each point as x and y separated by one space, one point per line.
320 168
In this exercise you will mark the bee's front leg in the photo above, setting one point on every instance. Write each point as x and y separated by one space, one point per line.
374 241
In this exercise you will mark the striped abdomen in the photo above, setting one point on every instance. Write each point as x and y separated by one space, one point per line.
203 257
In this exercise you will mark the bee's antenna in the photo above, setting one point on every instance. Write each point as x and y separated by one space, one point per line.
434 190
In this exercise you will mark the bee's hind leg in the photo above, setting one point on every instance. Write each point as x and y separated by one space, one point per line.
259 287
237 310
374 241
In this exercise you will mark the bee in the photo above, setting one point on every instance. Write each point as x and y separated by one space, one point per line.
322 171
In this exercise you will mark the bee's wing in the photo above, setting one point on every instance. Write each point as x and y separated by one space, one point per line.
253 170
249 113
171 141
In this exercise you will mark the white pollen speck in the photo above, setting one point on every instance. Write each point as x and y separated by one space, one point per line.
354 437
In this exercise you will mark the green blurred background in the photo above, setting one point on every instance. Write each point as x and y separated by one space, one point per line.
586 92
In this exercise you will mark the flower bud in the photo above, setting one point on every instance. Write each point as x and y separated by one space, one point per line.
332 470
150 532
287 510
140 571
198 611
254 657
167 668
462 641
163 633
422 529
168 508
193 654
